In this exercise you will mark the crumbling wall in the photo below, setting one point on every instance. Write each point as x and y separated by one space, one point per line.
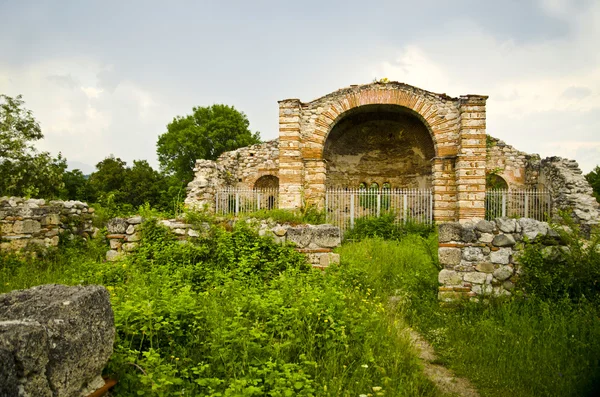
29 223
511 164
249 163
482 259
316 242
209 176
240 168
570 190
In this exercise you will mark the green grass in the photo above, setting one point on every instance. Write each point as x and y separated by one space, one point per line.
521 347
235 315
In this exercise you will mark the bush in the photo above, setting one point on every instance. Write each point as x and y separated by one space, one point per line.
386 227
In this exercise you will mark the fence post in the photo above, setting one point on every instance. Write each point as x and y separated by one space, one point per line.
258 201
352 211
378 204
526 204
430 206
503 202
326 204
404 207
237 203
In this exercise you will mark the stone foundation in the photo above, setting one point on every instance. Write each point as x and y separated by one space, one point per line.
316 242
26 224
481 259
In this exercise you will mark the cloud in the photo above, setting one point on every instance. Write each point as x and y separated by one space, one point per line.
86 117
543 95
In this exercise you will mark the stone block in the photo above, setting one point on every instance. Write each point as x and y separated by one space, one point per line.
485 267
504 240
62 337
326 236
449 256
135 220
502 256
449 277
532 228
136 237
475 277
27 226
113 255
507 225
51 219
301 236
484 226
449 231
486 238
328 259
117 226
503 273
473 254
130 229
115 244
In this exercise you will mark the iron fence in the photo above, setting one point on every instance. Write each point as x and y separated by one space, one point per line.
236 201
344 206
521 203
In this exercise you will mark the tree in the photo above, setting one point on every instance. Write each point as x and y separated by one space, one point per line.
594 180
23 170
205 134
108 178
142 184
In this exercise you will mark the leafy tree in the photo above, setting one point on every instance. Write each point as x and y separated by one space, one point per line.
76 186
23 170
594 179
109 177
142 184
204 134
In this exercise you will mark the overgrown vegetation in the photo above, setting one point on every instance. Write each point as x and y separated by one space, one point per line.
234 314
387 228
545 342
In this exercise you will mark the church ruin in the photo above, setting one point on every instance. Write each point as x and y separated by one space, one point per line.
390 136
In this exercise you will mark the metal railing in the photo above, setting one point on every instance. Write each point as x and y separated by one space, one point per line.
521 203
344 206
241 200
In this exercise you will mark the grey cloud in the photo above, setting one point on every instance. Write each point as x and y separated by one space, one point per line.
65 81
576 92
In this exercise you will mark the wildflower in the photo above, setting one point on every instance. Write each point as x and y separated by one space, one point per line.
376 388
365 366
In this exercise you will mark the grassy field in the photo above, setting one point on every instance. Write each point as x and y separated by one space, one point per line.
233 314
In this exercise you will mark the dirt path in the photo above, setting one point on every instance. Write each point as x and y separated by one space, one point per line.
442 377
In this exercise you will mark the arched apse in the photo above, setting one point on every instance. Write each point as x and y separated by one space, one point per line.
380 144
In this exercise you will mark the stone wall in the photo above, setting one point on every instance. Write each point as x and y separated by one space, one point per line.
316 242
518 169
37 223
482 259
570 190
240 168
246 165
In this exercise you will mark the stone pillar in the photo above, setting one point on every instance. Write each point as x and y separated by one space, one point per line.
471 159
444 189
291 166
208 177
315 182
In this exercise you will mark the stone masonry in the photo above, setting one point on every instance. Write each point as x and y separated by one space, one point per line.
316 242
37 223
482 258
456 128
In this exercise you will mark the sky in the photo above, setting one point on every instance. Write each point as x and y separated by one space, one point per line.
106 77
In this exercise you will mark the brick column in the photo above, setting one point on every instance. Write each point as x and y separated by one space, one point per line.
471 159
444 189
291 167
315 174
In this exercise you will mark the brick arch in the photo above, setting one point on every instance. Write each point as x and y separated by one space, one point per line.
421 105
